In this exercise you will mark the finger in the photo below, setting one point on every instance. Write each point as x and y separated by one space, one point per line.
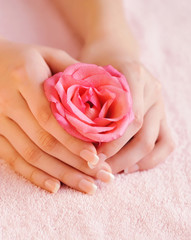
163 148
152 89
142 143
52 166
56 59
37 134
136 85
33 174
48 143
145 92
31 89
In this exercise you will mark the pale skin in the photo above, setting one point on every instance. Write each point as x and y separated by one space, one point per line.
30 138
107 39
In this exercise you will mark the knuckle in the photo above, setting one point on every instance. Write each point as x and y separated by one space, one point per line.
32 155
154 161
138 120
2 106
13 161
65 177
31 176
69 140
46 141
148 146
19 74
112 148
5 100
75 145
44 115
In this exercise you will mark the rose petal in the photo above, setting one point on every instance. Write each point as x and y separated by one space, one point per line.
91 112
72 69
91 96
77 101
60 89
105 108
49 87
101 80
102 121
85 128
121 103
60 108
88 70
112 71
93 81
93 103
66 125
104 94
74 109
121 78
113 134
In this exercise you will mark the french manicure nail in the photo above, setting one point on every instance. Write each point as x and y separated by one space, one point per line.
87 186
105 176
89 156
91 166
102 157
52 185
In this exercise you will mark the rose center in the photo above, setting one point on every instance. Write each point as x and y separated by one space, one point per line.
90 104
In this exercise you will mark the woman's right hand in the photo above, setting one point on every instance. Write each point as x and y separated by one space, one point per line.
31 140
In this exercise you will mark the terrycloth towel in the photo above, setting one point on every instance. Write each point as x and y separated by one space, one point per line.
152 205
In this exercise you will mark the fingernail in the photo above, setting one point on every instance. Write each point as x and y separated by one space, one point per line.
102 157
52 185
87 186
105 176
132 169
90 165
89 156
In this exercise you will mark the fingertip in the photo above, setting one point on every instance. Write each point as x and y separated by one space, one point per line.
105 176
89 156
57 59
52 185
87 186
102 157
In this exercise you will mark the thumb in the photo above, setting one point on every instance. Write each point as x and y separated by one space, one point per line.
56 59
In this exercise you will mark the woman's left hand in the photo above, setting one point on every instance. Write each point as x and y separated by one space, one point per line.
147 140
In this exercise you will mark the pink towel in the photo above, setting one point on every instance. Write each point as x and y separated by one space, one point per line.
150 205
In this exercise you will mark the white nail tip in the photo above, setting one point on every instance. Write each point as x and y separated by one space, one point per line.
102 157
92 166
93 190
111 176
96 159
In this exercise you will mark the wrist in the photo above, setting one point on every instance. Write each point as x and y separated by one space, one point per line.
103 30
105 24
115 43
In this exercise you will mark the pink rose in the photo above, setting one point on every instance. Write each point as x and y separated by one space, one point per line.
90 102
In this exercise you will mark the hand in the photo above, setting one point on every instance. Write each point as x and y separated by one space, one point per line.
31 140
147 141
